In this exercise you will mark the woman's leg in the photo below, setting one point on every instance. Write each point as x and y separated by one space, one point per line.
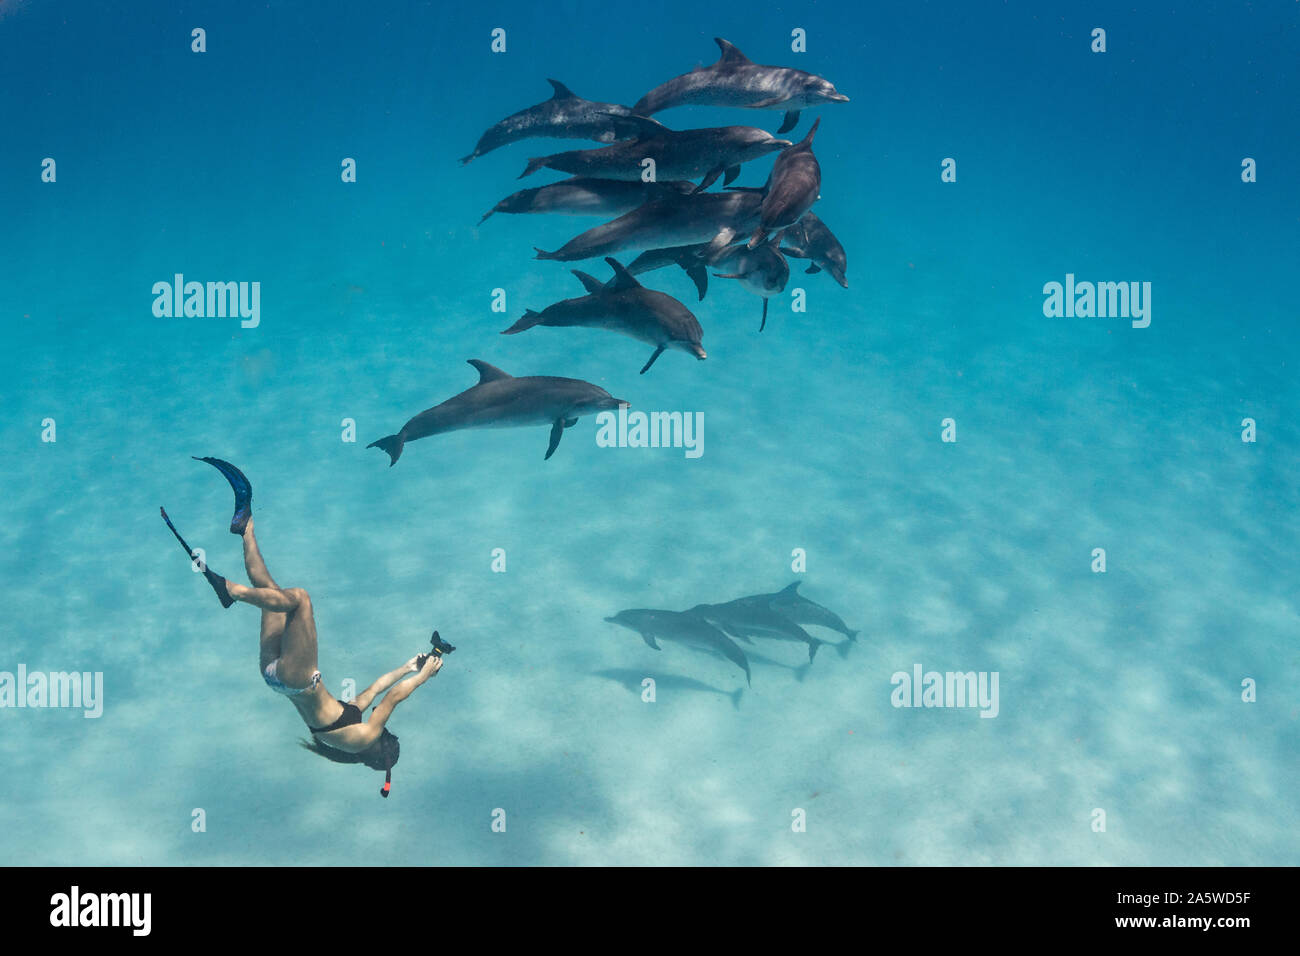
296 643
273 622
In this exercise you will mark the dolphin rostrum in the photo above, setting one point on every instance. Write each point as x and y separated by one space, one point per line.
749 617
681 627
735 81
500 400
711 218
626 306
564 116
677 154
582 196
794 184
809 238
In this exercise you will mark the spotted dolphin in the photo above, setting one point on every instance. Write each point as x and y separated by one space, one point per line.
500 400
587 196
564 116
711 218
624 305
750 617
677 154
736 81
794 184
683 628
810 238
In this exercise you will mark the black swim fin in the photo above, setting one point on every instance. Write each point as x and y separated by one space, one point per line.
216 580
243 493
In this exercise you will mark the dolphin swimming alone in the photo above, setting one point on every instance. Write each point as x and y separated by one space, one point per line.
677 154
794 184
750 617
681 627
585 196
564 116
810 238
736 81
500 400
714 219
625 306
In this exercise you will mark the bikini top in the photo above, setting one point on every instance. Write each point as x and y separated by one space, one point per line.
351 715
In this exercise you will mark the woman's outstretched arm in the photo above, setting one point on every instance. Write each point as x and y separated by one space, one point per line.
367 696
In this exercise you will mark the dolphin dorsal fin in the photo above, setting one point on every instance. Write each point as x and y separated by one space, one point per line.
488 373
791 588
730 55
562 92
622 278
589 282
806 142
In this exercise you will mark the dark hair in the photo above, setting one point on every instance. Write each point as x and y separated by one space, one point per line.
381 755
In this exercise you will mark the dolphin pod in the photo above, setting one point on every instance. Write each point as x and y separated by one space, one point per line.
643 175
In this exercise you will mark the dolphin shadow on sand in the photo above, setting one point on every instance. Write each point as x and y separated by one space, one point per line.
631 679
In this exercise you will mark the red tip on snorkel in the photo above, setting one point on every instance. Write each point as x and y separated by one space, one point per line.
388 782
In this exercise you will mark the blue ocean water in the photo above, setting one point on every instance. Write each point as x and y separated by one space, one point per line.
1120 692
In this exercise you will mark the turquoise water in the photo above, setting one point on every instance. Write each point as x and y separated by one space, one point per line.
1119 691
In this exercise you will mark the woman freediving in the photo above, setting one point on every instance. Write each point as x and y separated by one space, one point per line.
288 644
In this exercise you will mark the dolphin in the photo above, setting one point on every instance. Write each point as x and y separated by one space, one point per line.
809 238
564 116
626 306
794 184
711 218
750 617
798 608
677 154
762 271
582 196
682 628
736 81
500 400
690 258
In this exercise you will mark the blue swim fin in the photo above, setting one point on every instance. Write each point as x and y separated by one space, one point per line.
243 493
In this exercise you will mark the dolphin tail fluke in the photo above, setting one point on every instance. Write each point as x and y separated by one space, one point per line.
392 444
534 164
543 254
486 215
464 160
530 319
735 697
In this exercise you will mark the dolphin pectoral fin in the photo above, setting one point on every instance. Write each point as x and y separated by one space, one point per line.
658 352
790 122
649 639
762 325
557 432
531 318
813 269
732 173
700 276
570 422
709 179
